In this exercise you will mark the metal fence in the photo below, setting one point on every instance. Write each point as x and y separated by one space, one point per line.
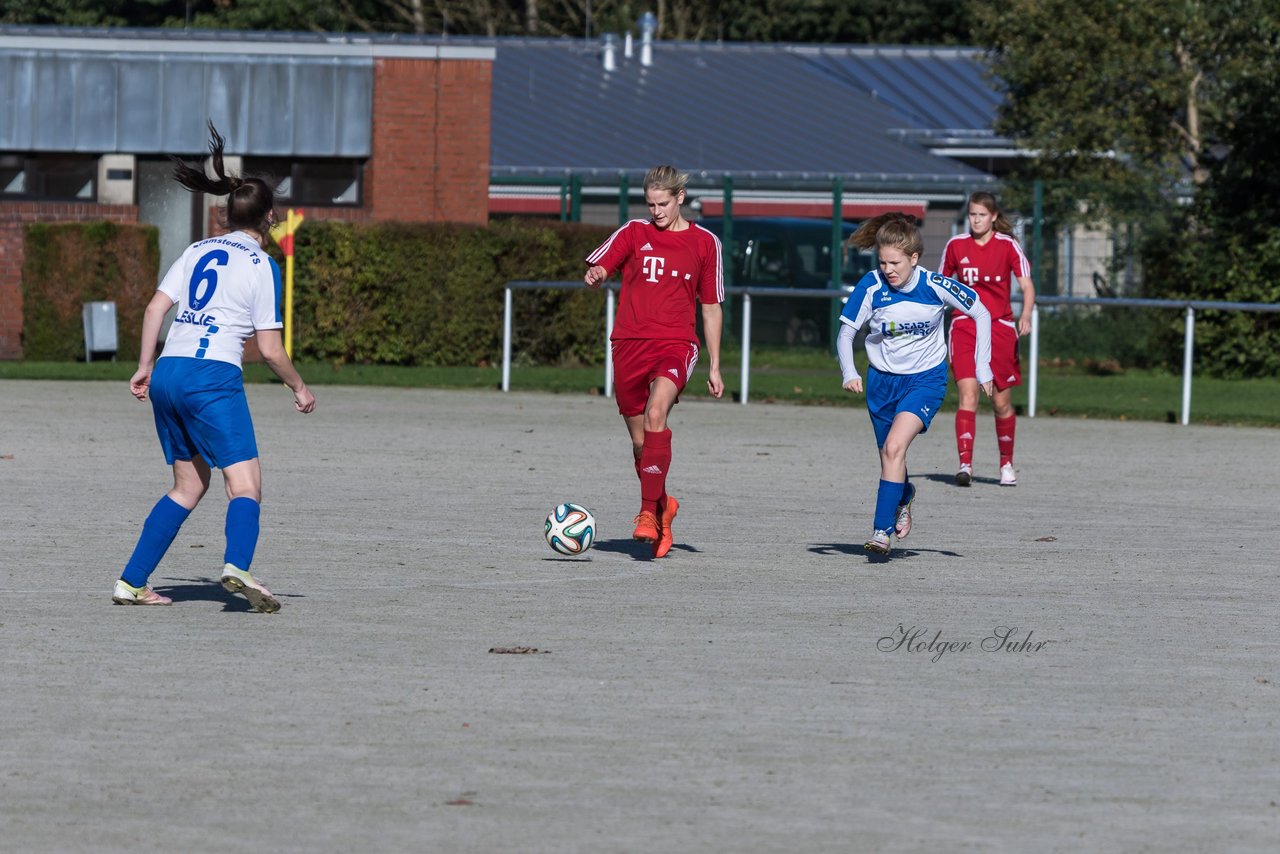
1189 307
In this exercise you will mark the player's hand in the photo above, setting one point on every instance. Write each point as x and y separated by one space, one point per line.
140 382
715 384
595 276
1024 327
303 400
989 388
854 385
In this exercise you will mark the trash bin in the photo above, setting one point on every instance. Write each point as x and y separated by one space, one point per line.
99 330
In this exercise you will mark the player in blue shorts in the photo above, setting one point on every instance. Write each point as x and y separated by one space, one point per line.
903 304
226 290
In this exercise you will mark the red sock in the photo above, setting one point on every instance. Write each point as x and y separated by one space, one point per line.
1005 428
966 423
655 459
638 467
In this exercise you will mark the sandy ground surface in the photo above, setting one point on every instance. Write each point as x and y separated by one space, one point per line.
1086 662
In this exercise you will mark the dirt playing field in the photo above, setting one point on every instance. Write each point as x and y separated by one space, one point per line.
1086 662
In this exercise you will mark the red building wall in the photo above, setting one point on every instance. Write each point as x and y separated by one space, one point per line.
430 140
14 217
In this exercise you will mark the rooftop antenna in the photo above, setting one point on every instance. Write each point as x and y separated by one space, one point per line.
610 51
648 23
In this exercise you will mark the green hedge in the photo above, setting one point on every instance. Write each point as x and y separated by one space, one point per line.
69 264
432 294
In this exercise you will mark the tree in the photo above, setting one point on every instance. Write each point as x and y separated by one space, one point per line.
1110 91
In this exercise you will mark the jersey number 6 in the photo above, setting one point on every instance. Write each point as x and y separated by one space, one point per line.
204 281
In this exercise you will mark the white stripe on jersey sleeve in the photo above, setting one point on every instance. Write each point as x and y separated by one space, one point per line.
719 262
604 247
1023 269
942 262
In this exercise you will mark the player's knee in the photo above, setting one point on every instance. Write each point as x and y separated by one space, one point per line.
894 451
655 419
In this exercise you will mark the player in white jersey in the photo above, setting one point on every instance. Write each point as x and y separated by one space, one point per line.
903 305
227 289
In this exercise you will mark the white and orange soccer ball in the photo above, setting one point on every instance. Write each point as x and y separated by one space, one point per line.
571 529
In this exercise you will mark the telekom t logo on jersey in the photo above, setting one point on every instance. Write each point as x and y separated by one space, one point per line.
969 275
653 266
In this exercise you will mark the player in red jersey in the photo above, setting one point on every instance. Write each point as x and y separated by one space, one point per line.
669 265
986 259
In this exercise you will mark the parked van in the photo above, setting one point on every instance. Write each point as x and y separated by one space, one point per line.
787 252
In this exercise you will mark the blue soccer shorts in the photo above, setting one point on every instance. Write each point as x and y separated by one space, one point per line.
200 408
888 394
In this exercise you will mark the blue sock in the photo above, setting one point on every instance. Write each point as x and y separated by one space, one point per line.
887 498
242 532
157 535
908 493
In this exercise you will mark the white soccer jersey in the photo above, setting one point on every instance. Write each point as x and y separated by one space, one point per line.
225 288
905 335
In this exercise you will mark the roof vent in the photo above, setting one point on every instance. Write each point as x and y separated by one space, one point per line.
626 45
609 55
648 23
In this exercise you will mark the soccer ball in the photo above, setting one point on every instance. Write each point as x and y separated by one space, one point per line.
570 529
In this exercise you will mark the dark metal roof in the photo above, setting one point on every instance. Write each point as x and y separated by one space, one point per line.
768 112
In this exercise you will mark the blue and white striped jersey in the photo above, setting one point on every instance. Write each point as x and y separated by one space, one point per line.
225 288
905 325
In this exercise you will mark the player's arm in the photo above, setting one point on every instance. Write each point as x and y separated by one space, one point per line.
945 265
267 322
965 299
849 378
608 257
710 295
712 325
271 346
595 276
1022 272
1028 304
857 310
152 319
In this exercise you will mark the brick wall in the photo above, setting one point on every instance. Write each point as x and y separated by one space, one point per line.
430 141
14 217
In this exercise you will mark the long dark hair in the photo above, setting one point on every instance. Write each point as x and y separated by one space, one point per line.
250 201
1001 222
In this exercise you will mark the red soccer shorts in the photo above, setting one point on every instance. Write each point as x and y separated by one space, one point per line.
1006 367
637 362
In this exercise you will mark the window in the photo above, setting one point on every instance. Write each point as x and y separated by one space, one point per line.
328 182
49 177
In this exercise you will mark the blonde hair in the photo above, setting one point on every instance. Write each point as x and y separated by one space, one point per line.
896 230
666 178
988 201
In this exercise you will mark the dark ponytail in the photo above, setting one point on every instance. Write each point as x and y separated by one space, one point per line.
250 201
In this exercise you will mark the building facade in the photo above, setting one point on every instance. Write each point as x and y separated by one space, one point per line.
354 128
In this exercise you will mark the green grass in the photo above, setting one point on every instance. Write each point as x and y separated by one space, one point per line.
792 375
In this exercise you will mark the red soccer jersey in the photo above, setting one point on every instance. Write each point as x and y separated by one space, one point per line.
665 274
989 269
